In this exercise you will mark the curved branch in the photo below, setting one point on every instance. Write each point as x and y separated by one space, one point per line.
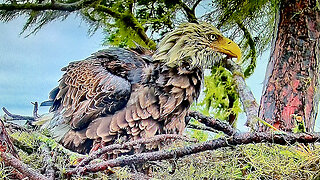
244 138
157 138
17 117
195 5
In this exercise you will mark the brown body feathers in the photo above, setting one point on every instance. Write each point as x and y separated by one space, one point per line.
121 95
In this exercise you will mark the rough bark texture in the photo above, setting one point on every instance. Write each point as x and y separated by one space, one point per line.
238 139
250 106
292 78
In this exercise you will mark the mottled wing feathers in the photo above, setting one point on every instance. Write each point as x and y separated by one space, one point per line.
119 94
88 90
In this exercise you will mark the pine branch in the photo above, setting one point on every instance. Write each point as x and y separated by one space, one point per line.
240 139
70 7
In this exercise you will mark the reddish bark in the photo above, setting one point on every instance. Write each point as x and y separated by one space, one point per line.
5 142
292 79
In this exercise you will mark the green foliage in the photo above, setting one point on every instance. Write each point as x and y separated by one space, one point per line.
26 140
121 35
221 98
155 17
200 135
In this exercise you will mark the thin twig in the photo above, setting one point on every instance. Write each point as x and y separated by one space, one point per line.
35 110
213 123
203 128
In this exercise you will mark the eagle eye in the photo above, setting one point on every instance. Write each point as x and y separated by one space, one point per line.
213 37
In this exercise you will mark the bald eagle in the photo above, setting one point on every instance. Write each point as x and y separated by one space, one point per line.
130 94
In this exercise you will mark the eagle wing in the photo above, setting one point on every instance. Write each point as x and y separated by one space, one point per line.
89 90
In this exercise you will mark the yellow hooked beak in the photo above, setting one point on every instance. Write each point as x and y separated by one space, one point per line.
228 47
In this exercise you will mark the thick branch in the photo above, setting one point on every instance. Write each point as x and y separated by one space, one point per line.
35 110
17 117
190 12
248 101
129 145
245 138
6 144
21 167
195 5
213 123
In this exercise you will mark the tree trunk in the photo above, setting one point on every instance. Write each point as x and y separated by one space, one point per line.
291 90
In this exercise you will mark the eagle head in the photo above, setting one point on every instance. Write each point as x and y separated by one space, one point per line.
201 45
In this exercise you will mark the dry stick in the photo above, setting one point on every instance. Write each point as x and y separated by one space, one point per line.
35 110
213 123
15 127
243 138
157 138
247 99
17 117
21 167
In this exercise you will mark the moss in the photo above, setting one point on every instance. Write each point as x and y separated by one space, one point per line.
261 161
5 171
253 161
